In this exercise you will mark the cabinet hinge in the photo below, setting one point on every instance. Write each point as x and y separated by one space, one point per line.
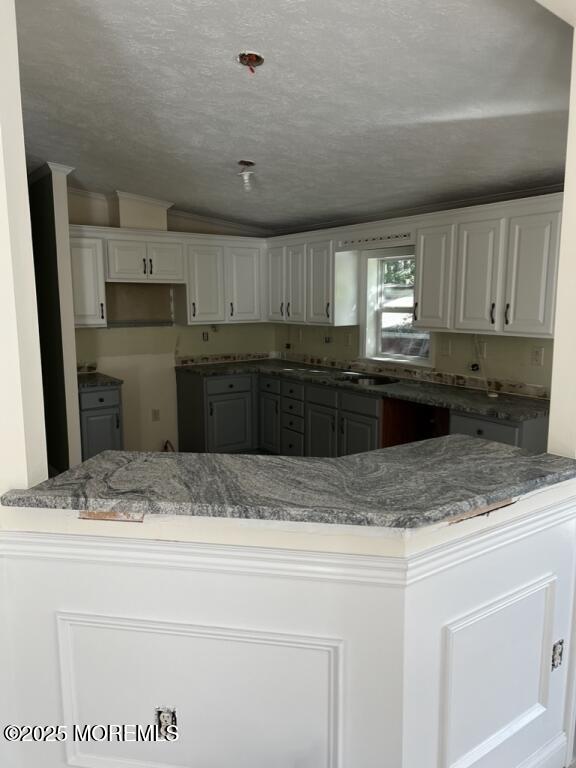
557 654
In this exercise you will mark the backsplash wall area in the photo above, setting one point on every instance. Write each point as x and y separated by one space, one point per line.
145 357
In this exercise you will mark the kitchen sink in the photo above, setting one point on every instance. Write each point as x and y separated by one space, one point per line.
364 380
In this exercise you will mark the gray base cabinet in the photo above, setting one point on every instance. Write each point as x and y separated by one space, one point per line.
230 423
357 434
532 435
321 436
100 421
270 417
216 414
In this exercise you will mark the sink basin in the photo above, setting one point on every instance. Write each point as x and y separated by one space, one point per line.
364 380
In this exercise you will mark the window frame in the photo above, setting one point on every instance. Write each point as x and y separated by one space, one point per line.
371 314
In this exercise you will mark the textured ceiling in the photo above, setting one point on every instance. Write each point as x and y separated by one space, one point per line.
362 109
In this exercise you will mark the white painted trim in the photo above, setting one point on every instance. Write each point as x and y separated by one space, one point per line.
541 203
87 193
563 8
309 566
549 755
127 233
444 556
67 320
215 221
66 621
59 168
479 752
164 204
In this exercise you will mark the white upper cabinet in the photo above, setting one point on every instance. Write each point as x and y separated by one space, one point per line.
242 284
276 289
320 300
434 273
165 262
88 287
287 283
479 256
205 284
531 275
137 261
295 283
127 261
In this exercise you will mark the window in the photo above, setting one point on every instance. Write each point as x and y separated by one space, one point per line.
390 332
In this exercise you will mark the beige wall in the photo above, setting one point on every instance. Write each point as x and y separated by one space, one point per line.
91 208
99 210
144 358
507 359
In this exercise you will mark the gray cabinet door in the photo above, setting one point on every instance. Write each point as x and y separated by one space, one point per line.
101 431
321 435
270 422
357 434
230 423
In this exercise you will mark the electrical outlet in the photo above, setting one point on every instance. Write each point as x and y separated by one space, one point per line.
155 414
481 350
537 357
348 339
327 339
205 336
287 345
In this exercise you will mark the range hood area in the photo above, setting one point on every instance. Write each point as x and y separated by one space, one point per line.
139 304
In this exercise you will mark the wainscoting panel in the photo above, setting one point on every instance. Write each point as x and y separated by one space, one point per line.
498 657
243 698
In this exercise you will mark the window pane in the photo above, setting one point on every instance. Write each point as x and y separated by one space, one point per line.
399 337
396 282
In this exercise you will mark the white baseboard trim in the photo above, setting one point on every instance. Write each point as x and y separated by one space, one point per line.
551 755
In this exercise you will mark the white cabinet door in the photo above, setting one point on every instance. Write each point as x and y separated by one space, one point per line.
165 262
319 302
531 275
276 298
295 282
242 278
88 287
434 270
206 284
478 275
127 261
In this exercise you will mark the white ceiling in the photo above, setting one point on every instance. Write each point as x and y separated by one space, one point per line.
363 108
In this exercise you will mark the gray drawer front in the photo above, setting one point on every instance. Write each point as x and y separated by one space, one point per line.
292 443
353 403
292 389
293 422
292 407
322 396
489 430
100 399
270 385
222 385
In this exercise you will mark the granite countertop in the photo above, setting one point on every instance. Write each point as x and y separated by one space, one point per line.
404 487
96 379
473 401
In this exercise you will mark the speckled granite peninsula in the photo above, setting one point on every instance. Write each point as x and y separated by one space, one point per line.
408 486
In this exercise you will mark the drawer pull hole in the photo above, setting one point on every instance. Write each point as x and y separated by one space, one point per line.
100 399
479 431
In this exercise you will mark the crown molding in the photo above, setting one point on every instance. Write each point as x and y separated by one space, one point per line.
87 193
59 168
164 204
216 221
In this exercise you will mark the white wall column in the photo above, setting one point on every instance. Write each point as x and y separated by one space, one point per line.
22 435
62 230
562 435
